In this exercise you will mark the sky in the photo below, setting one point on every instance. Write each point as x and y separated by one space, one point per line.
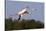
36 9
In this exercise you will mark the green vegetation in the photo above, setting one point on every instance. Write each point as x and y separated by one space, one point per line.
24 24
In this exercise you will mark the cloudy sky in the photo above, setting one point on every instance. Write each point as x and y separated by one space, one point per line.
36 9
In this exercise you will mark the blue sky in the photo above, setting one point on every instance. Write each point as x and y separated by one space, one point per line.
14 7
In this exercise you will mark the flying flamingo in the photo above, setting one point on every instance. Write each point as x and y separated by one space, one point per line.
23 12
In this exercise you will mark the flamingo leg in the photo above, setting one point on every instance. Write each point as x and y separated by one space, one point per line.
19 17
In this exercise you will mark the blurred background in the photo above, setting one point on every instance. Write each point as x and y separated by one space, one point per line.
33 21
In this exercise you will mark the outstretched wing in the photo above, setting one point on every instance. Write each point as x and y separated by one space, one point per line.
21 12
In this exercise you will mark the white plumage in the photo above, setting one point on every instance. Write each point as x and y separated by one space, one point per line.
22 13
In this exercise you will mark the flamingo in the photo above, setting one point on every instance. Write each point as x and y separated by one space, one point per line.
22 13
